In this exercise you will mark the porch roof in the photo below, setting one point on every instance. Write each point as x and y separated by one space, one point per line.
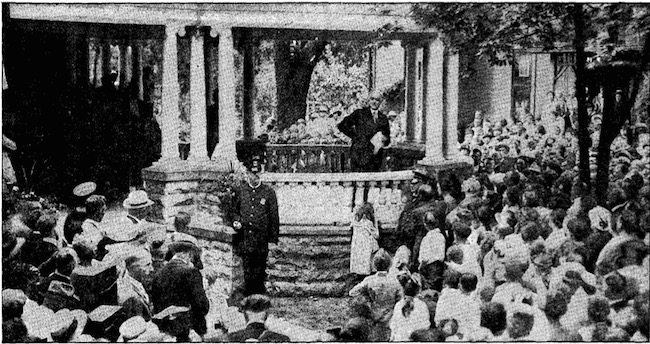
344 17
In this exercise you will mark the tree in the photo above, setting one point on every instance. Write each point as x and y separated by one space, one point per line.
294 64
493 31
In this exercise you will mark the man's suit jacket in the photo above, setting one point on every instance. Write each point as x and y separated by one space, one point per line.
360 126
259 332
180 284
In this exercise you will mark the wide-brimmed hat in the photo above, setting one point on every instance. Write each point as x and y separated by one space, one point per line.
123 233
84 189
137 199
65 321
133 327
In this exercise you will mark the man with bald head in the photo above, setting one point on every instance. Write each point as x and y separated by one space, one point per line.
362 126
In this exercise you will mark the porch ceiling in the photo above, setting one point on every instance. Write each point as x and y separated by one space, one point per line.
347 19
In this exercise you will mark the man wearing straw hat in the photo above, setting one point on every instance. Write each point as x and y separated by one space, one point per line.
78 215
138 206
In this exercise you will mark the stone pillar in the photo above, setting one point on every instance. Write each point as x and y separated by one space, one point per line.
225 154
451 106
169 124
198 118
434 102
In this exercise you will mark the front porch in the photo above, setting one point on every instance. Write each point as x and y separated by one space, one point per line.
315 208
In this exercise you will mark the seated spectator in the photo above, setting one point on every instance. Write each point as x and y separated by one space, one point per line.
493 323
15 273
409 314
355 330
462 305
95 282
434 243
595 330
13 327
43 243
180 283
56 291
131 246
520 325
23 223
91 229
74 220
383 292
626 230
256 308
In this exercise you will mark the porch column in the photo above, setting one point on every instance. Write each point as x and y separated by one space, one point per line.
451 106
169 124
249 51
198 118
434 102
409 83
225 153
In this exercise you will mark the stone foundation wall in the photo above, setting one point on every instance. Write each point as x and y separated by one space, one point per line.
313 254
309 262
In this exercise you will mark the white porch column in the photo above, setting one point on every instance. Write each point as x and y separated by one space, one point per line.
451 106
169 124
434 102
225 153
198 119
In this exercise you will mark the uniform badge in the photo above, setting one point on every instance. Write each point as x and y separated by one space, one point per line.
263 201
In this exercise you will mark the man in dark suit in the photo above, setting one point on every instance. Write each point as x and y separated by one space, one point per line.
256 220
255 308
179 283
361 126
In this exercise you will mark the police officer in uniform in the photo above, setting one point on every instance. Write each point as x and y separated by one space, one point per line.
256 221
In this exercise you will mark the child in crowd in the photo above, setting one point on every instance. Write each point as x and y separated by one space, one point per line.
382 292
365 236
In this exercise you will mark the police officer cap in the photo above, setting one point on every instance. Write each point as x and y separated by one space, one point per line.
256 303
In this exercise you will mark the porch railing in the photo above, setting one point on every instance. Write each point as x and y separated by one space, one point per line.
299 158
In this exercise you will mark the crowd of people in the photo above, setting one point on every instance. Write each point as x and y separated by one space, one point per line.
520 251
80 278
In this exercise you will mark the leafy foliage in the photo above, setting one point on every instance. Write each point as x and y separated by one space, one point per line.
341 77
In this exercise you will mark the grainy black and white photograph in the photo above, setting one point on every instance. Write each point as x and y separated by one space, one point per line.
325 172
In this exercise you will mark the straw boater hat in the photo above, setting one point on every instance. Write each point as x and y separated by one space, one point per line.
137 199
133 328
84 189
